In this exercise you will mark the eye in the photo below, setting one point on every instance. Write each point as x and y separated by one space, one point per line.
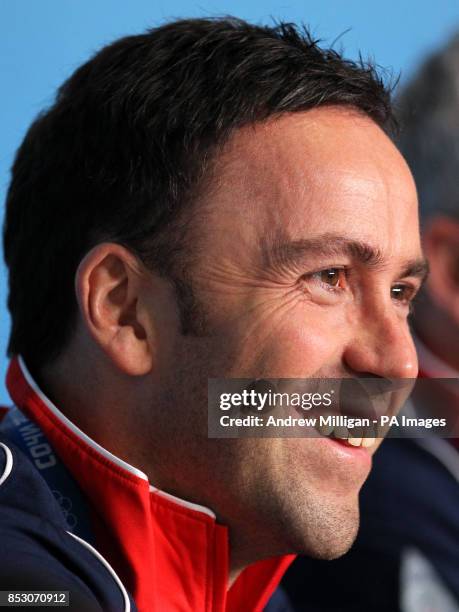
403 293
333 277
327 286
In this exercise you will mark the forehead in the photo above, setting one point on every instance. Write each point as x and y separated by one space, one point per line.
326 170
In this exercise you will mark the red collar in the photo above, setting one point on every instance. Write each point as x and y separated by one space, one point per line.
170 554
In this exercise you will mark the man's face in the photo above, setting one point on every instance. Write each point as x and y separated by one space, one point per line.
308 245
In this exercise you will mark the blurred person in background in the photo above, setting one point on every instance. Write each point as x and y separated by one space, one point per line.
406 556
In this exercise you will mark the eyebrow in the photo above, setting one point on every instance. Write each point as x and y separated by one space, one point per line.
277 252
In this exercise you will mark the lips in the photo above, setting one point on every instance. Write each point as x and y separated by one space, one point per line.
362 402
344 466
365 437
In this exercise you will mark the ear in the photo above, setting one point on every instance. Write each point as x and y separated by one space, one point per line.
110 286
441 246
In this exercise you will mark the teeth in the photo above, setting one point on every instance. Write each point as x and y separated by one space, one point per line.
342 433
325 430
367 442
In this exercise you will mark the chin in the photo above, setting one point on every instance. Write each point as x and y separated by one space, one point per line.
323 531
334 547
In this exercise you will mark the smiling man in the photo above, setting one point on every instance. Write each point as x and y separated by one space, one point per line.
208 199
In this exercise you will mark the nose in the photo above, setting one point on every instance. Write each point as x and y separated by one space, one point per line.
381 345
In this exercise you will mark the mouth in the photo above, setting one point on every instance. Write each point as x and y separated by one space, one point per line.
347 464
356 461
355 438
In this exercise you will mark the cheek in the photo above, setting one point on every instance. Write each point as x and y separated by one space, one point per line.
307 341
282 335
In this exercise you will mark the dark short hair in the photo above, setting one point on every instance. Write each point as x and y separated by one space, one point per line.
124 149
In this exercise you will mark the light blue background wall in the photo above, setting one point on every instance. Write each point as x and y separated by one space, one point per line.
42 41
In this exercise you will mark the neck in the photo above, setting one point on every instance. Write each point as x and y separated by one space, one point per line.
80 393
100 410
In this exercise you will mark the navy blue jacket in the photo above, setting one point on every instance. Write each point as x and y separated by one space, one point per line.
37 552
